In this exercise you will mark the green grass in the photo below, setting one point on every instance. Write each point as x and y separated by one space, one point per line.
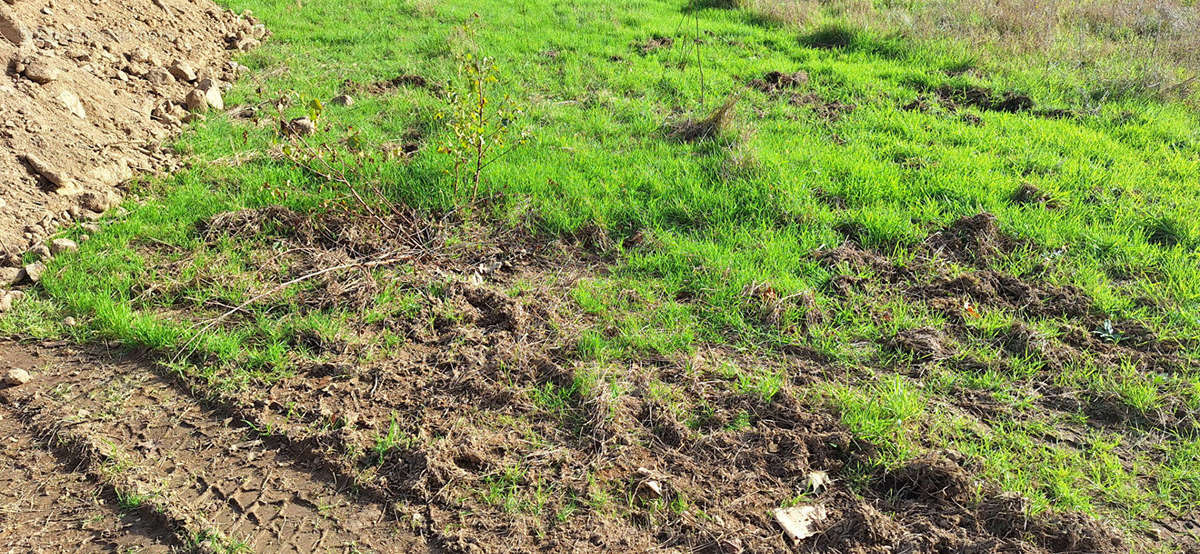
690 227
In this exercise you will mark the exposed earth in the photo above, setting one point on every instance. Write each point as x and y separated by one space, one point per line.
89 92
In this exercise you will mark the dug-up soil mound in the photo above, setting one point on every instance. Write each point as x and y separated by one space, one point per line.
89 91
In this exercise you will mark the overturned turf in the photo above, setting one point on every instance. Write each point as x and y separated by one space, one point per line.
469 418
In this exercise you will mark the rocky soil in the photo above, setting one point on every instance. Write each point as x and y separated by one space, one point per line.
89 92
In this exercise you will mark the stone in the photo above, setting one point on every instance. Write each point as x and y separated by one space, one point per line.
71 101
159 77
196 101
59 179
342 100
16 377
35 271
12 30
6 302
41 71
183 71
99 201
58 246
140 55
10 276
302 126
40 252
212 93
246 44
69 321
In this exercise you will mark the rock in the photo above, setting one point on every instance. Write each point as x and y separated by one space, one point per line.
10 276
59 179
246 44
35 271
40 252
301 126
196 101
212 93
12 30
99 201
71 101
6 302
183 71
41 71
16 377
140 55
800 522
342 100
159 77
213 96
69 321
58 246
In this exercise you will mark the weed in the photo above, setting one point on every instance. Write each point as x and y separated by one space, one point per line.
391 440
130 500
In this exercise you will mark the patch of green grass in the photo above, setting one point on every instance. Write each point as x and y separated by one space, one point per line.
130 500
884 413
394 438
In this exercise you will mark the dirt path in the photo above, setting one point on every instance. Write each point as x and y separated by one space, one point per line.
46 506
212 478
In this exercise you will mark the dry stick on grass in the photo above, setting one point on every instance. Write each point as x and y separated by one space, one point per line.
241 307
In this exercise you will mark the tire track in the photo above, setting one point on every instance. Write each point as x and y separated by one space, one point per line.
218 479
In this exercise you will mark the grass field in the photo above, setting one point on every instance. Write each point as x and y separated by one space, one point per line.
955 254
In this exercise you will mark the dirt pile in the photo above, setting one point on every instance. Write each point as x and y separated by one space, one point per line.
89 92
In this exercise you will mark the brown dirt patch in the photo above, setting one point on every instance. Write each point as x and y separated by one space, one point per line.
515 442
971 239
89 95
954 96
829 111
655 43
776 81
389 85
924 344
46 506
1029 194
200 468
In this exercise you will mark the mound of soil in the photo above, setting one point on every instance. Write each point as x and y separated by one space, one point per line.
776 81
90 90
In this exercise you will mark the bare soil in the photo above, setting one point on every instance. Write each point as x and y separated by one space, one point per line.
207 475
48 506
88 93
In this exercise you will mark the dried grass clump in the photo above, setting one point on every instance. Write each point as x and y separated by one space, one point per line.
693 130
1115 47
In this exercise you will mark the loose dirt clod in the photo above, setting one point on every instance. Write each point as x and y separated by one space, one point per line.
87 83
654 43
776 81
983 98
16 376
